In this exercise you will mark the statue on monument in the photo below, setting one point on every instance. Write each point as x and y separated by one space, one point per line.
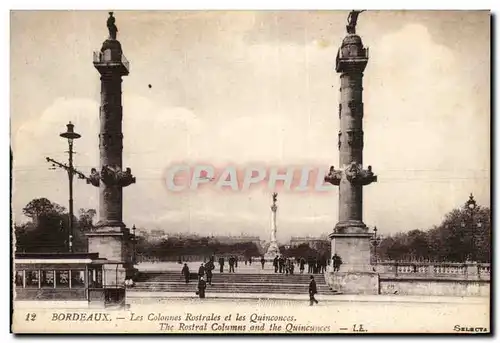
273 249
274 208
352 21
111 26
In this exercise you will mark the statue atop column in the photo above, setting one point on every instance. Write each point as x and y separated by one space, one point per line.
274 208
352 21
111 26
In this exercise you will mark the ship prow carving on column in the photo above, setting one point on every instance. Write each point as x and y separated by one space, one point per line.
350 236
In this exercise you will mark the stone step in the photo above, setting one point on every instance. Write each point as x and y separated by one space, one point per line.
229 288
194 282
251 278
239 280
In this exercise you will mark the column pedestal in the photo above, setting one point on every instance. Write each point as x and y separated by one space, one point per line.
113 244
272 251
356 275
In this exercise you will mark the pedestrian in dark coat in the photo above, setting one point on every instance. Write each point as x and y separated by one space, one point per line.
312 291
302 264
275 264
337 261
262 261
281 264
231 264
209 267
221 264
185 272
202 285
201 271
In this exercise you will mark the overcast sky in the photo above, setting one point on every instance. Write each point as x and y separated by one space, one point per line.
257 87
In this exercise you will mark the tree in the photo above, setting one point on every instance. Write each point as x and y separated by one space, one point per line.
418 245
301 250
85 220
463 235
48 229
40 207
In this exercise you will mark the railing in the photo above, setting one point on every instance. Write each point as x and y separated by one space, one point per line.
106 57
435 269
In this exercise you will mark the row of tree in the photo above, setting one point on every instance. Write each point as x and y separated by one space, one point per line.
174 247
463 235
305 250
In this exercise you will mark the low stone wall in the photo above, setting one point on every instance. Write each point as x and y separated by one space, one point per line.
468 270
50 294
353 282
433 286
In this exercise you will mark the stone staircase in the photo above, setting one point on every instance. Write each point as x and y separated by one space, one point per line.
170 281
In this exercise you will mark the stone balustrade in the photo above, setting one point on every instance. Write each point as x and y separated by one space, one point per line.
435 269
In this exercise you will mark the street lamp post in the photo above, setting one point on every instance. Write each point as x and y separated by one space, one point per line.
375 242
70 135
470 207
134 242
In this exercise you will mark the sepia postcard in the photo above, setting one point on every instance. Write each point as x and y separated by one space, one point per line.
250 172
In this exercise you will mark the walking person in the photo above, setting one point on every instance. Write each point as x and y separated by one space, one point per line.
309 265
231 264
209 267
185 272
262 261
312 291
316 266
202 285
337 261
201 271
281 264
302 264
221 264
275 264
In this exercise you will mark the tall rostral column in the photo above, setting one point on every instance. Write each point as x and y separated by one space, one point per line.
350 238
273 249
111 239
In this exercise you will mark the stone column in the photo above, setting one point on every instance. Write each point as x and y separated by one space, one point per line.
110 146
350 237
273 249
110 239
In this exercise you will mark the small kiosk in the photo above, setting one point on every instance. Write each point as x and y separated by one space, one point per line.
63 277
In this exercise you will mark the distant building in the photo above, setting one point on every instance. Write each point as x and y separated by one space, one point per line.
312 242
153 235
